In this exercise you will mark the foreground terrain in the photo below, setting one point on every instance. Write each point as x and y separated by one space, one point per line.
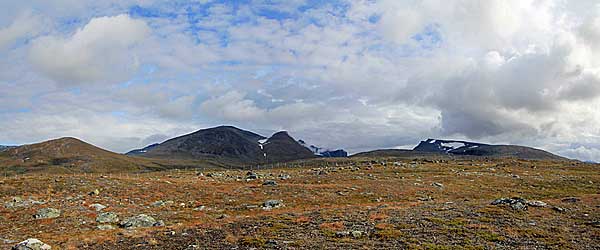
361 203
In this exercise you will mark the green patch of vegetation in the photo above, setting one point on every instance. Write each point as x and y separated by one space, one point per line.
490 236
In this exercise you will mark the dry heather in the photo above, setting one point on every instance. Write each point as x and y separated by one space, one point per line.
363 204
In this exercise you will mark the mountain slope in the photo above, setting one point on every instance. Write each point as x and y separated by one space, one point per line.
230 145
282 147
69 155
453 147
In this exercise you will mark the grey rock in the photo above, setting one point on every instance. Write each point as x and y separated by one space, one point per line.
17 202
98 207
571 199
270 183
284 176
105 227
140 220
161 203
357 234
537 203
32 244
437 184
47 213
108 217
270 204
342 234
515 203
251 176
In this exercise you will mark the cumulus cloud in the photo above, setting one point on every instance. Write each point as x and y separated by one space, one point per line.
354 74
26 24
102 50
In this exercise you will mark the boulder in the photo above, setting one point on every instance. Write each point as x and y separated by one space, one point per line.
141 220
47 213
32 244
108 217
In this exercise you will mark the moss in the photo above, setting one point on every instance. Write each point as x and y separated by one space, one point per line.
490 236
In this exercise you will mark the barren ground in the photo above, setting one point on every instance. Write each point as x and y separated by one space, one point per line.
360 205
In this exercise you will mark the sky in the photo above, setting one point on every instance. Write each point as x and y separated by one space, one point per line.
358 75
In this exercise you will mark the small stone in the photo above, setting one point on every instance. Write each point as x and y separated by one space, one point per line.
270 204
342 234
357 234
559 209
95 192
284 176
537 203
270 183
199 208
97 207
251 176
571 199
108 217
47 213
32 244
105 227
436 184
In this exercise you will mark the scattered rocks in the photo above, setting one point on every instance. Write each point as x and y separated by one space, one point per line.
515 203
97 207
31 244
271 204
270 183
108 217
141 220
47 213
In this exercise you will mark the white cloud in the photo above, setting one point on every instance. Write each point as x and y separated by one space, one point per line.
26 24
102 50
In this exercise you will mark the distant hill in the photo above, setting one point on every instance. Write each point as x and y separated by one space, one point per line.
69 155
228 144
445 148
324 152
402 153
4 148
466 148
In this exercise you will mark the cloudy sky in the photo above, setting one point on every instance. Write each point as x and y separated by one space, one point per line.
357 74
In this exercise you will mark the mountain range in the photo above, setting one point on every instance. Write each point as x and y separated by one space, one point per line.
228 147
229 144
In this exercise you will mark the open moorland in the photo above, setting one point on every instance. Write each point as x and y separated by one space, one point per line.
358 203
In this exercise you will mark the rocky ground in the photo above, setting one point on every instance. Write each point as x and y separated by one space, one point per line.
363 204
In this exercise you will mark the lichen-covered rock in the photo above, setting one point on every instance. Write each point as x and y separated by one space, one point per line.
107 217
32 244
141 220
47 213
